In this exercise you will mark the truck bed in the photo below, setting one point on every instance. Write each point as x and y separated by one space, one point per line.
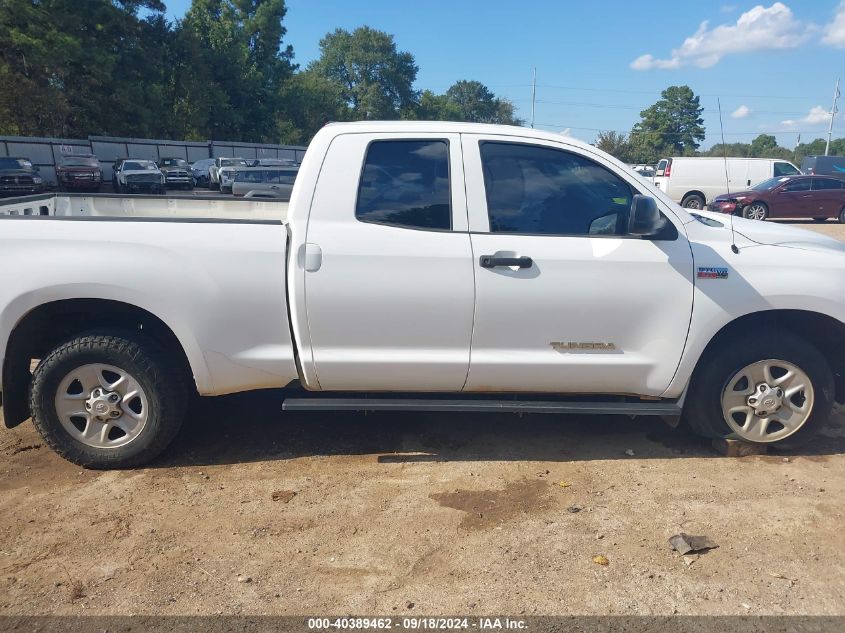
145 206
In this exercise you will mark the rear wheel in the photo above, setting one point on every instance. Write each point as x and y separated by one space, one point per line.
766 388
107 400
693 201
756 211
842 215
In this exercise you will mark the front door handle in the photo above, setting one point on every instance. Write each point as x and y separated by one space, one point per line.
491 261
313 257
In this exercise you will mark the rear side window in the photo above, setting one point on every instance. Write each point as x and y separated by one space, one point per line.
785 169
545 191
827 183
406 183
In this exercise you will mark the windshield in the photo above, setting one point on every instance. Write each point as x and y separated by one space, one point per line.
768 185
173 162
138 165
15 163
205 163
232 162
80 161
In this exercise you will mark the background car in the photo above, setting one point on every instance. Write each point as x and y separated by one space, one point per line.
79 172
177 173
265 182
817 197
19 177
200 171
137 175
220 163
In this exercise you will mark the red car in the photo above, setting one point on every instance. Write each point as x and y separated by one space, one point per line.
816 197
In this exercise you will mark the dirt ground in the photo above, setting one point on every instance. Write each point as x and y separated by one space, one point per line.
256 512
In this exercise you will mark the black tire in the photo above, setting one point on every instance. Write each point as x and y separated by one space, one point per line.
748 212
163 384
820 219
842 216
693 201
703 408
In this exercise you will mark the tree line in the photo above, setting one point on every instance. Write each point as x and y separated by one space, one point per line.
673 126
71 68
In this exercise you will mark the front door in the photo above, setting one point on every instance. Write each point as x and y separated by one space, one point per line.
792 200
389 274
565 300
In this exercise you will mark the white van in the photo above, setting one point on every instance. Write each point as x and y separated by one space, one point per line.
694 181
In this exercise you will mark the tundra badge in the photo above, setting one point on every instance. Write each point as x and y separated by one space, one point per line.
706 272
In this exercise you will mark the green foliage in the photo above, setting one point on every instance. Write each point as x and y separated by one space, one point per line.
465 100
616 144
223 72
375 79
671 127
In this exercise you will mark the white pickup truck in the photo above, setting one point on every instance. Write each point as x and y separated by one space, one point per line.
419 266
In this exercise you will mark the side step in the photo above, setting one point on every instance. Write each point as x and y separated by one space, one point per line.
661 408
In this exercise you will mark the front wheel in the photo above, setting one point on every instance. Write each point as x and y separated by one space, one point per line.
755 211
107 400
764 388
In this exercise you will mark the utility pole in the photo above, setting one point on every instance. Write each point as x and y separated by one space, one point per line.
534 95
832 116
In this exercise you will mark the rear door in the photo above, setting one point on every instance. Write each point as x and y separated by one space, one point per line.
389 272
584 307
828 197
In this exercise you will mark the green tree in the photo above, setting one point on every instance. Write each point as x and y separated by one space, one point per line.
616 144
375 79
69 72
764 146
673 125
308 101
238 65
476 103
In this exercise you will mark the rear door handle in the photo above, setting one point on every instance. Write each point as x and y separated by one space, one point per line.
491 261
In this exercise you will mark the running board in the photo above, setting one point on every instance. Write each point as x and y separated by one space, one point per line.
661 408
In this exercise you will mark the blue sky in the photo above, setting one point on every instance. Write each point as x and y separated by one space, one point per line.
773 64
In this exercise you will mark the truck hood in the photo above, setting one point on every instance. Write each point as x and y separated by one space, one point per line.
774 234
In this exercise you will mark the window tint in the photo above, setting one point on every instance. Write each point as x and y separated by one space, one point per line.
785 169
541 190
406 183
801 184
827 183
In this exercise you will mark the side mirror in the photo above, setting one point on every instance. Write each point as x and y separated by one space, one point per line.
644 218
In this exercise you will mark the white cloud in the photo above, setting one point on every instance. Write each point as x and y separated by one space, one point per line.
760 28
817 115
742 112
834 33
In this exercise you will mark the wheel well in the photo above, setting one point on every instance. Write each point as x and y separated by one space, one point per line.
824 332
48 325
693 193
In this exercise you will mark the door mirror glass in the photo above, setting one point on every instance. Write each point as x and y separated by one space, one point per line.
644 218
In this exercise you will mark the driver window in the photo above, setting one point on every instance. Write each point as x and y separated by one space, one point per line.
540 190
802 184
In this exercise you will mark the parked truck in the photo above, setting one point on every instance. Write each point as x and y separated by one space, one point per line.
421 266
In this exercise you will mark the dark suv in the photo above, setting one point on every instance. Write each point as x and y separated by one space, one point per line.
18 177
